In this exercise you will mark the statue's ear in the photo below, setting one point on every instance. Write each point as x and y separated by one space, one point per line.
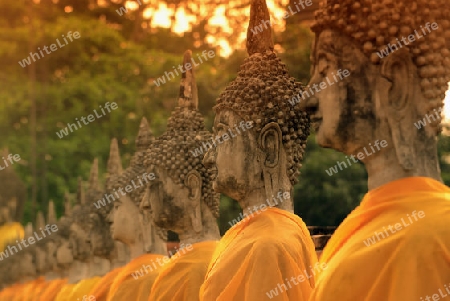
193 181
396 105
270 142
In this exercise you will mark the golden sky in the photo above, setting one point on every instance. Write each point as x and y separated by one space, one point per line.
180 21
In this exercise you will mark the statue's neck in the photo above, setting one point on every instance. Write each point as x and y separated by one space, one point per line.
99 266
52 276
210 229
384 167
78 270
158 245
136 249
121 255
258 201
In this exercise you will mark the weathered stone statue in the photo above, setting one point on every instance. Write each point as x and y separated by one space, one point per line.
181 197
118 257
93 228
146 245
257 167
127 224
396 58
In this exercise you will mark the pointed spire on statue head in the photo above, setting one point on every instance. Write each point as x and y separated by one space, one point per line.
259 42
188 97
40 220
81 196
145 136
67 204
114 166
51 215
93 177
29 230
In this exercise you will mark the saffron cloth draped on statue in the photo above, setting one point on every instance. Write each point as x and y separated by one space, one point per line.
134 282
260 254
181 278
52 290
394 246
64 293
101 289
83 288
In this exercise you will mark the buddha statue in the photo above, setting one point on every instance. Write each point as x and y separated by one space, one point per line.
79 238
100 239
181 198
90 231
386 112
258 168
128 225
126 218
64 258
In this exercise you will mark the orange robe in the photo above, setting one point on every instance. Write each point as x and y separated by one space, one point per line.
8 293
395 246
135 280
49 294
269 255
64 293
101 290
29 290
83 288
181 278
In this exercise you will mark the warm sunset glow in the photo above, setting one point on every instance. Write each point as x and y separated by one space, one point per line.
221 20
182 21
161 16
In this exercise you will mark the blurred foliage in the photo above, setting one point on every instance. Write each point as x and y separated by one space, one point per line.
116 59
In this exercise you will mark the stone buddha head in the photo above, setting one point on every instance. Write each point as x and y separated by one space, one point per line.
181 197
127 222
39 247
21 266
263 158
79 228
64 255
100 239
397 59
